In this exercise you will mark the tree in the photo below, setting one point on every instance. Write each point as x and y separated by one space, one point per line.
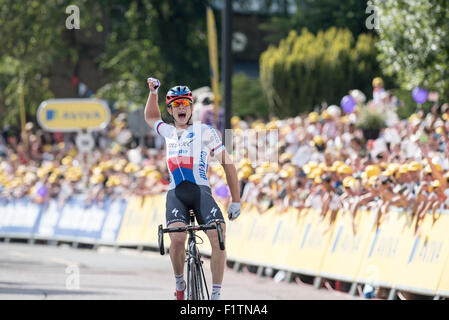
248 98
306 70
26 52
413 42
34 38
316 15
124 40
166 39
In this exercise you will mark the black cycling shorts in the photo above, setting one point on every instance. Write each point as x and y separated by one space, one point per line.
188 195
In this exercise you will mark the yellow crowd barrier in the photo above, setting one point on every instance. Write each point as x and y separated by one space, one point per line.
156 216
237 233
348 245
387 249
286 224
389 255
254 248
425 262
133 224
308 248
443 284
142 218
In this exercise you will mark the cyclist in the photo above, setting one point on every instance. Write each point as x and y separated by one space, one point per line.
188 148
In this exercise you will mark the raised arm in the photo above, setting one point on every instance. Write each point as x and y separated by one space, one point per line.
152 113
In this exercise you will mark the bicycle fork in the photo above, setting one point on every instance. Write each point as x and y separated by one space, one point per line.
195 272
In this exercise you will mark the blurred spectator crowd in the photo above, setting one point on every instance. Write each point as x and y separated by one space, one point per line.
326 163
320 160
53 167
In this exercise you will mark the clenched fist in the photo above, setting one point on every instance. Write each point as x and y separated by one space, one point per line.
153 84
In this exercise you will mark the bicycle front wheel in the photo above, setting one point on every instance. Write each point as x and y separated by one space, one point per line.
193 281
196 281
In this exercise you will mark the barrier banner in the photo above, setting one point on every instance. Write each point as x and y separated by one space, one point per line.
309 248
133 225
298 222
443 283
49 220
286 224
266 232
425 262
19 217
237 232
113 221
155 208
389 247
259 236
241 248
347 246
75 220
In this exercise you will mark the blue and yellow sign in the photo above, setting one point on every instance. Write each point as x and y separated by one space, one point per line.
388 249
134 222
66 115
309 247
348 245
425 262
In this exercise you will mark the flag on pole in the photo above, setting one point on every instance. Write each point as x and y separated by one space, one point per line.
213 60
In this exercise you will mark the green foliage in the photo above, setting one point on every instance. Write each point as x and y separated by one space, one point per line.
248 98
34 38
414 44
131 40
118 94
407 104
165 39
34 91
317 15
371 119
26 52
305 70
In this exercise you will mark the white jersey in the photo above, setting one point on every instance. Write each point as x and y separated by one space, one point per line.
188 151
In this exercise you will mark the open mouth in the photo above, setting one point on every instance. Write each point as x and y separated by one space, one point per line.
182 116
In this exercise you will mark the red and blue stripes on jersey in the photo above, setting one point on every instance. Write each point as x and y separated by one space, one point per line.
157 128
181 169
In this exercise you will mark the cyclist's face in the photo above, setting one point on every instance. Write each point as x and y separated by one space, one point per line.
181 113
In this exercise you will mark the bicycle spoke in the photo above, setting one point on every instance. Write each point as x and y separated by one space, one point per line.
205 283
201 281
189 283
193 280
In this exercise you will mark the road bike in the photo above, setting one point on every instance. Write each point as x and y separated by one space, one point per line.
196 286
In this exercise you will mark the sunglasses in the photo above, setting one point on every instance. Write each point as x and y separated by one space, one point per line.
180 102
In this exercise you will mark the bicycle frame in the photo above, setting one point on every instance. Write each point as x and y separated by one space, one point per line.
195 273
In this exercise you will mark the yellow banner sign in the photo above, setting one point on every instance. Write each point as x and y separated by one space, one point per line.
388 249
309 247
425 263
133 224
348 246
66 115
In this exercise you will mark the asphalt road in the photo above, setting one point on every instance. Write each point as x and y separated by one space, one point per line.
63 273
